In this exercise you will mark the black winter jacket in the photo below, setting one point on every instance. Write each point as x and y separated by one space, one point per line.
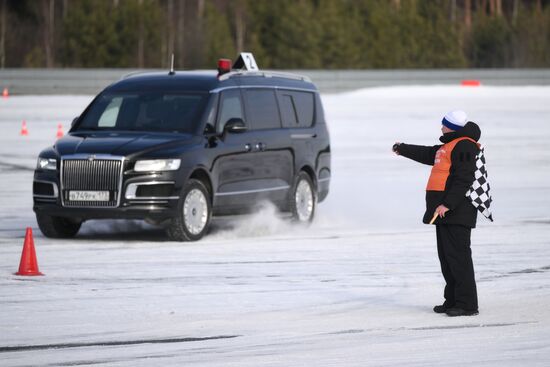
461 176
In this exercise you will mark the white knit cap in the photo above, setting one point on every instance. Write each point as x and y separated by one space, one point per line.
455 120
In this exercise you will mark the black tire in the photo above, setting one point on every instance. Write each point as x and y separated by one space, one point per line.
178 229
297 203
57 227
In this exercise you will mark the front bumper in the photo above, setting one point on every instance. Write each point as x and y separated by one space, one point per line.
137 199
153 212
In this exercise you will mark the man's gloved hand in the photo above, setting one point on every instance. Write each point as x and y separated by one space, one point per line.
396 147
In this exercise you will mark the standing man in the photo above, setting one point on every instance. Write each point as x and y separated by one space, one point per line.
454 165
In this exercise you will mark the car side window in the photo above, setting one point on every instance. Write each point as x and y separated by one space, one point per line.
261 109
212 109
230 107
297 108
109 116
288 110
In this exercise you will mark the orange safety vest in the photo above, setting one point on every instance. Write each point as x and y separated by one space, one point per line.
442 165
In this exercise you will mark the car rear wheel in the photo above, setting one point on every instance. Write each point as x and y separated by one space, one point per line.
303 199
57 227
194 213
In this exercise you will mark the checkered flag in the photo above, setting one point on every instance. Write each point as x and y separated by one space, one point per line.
480 191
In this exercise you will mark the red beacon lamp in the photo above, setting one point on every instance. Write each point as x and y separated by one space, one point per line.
245 62
224 66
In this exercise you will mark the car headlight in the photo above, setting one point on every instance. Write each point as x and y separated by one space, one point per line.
157 165
47 163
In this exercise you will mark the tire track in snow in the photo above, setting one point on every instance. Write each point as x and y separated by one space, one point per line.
22 348
14 167
542 269
444 327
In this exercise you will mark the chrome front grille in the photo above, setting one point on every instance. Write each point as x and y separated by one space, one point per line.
98 174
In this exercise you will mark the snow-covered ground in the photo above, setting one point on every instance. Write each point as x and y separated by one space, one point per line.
354 289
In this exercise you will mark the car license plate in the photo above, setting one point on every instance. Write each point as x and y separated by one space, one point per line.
89 195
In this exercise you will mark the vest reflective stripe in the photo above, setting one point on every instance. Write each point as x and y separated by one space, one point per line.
442 165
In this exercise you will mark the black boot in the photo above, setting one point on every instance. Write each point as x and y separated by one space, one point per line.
460 312
441 308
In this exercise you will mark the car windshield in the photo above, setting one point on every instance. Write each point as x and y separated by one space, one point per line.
177 112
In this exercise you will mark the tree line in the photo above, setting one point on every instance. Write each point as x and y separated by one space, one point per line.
286 34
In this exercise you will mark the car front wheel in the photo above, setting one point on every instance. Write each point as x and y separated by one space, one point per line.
194 213
57 227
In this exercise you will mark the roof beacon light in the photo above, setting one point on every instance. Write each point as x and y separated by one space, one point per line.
224 66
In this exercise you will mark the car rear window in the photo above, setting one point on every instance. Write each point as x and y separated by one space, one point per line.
297 108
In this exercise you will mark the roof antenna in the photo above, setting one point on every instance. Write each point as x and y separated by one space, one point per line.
172 72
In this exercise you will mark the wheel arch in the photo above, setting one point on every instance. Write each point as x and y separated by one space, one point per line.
202 175
311 173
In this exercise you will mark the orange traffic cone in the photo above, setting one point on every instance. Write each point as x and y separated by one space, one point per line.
470 83
24 130
59 131
28 264
5 93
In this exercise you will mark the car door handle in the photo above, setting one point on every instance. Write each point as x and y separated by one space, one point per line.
248 147
260 147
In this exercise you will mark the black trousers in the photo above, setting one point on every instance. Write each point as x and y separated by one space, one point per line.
455 256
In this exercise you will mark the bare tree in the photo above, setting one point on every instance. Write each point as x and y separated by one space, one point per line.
171 30
3 35
240 25
141 40
468 14
483 6
198 50
180 34
515 11
539 7
495 7
200 11
65 8
453 10
48 14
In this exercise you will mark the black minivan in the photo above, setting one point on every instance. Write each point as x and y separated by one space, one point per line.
176 148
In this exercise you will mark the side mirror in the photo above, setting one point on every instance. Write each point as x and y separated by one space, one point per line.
74 121
235 125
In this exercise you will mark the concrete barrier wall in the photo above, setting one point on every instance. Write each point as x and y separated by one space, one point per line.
343 80
91 81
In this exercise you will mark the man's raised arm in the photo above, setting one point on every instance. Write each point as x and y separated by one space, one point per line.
420 153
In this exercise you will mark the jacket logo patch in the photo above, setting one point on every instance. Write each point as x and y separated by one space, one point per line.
438 155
